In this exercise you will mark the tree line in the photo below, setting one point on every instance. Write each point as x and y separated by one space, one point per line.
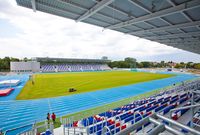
5 62
127 62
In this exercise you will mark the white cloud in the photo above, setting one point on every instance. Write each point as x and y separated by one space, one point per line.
41 34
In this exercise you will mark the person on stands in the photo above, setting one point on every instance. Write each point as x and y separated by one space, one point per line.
53 117
48 117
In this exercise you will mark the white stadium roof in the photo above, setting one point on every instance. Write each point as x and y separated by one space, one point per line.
172 22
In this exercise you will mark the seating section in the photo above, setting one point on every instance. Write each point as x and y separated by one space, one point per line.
179 113
120 118
196 118
73 67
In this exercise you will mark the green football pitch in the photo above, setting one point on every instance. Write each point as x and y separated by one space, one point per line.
52 84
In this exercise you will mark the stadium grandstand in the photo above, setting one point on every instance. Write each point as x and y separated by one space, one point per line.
72 65
40 64
156 103
146 116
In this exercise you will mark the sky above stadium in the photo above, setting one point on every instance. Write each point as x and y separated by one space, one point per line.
24 33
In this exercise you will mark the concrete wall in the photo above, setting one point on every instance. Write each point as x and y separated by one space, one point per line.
30 66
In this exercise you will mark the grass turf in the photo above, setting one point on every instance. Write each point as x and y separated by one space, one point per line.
52 85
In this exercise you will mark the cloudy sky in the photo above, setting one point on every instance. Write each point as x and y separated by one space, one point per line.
24 33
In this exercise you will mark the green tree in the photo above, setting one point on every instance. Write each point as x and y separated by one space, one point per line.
197 66
146 64
127 63
190 65
5 63
162 63
139 65
25 59
131 62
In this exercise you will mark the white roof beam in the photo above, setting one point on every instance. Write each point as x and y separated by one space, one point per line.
171 2
180 40
183 25
150 25
61 10
187 47
165 21
71 3
184 43
171 24
143 7
181 30
126 14
191 42
94 9
179 8
179 35
33 5
140 5
56 9
185 15
119 11
183 46
76 6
